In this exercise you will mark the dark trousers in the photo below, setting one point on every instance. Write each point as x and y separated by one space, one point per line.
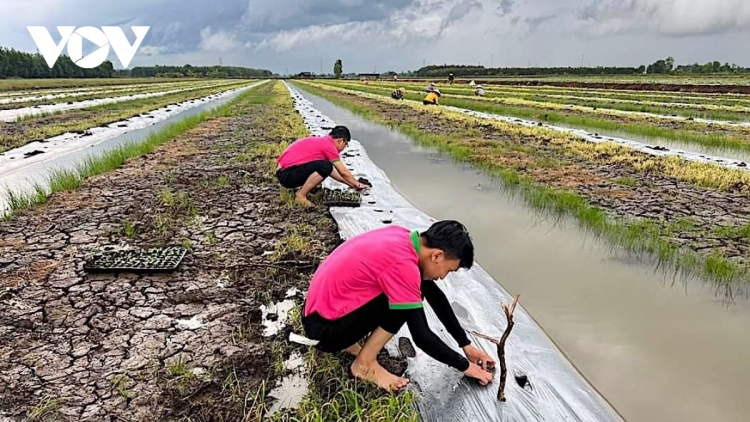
425 102
337 335
296 176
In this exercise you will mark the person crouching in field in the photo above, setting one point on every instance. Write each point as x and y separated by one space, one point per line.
398 94
374 283
432 97
308 161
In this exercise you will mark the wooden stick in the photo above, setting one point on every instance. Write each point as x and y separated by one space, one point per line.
488 338
501 346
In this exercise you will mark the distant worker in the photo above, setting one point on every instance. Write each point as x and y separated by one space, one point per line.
479 91
398 94
308 161
472 83
450 79
395 78
432 98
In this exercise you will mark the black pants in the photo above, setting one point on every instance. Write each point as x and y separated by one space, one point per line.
425 102
337 335
296 176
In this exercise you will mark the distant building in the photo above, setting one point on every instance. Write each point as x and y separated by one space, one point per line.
369 75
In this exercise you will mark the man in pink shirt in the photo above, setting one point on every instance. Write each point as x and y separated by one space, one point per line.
374 283
308 161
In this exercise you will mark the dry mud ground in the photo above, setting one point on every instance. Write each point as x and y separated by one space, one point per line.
178 346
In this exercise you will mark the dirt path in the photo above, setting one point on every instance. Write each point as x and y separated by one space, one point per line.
126 347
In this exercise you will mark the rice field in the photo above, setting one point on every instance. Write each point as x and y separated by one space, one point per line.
207 183
687 214
28 118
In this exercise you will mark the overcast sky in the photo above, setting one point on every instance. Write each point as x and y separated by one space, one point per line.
380 35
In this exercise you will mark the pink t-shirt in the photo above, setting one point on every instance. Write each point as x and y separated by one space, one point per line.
380 261
305 150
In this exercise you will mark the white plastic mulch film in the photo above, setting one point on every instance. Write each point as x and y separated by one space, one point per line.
555 390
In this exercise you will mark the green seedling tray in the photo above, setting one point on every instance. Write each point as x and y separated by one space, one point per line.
151 260
337 198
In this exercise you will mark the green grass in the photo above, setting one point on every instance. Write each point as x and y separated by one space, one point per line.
8 85
46 406
334 395
639 237
64 180
645 129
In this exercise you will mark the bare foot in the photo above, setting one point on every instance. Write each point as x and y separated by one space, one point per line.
354 350
377 374
304 201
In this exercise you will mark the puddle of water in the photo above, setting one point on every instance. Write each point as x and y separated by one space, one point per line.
290 390
275 316
648 346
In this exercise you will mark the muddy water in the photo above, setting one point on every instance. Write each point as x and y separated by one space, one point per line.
657 352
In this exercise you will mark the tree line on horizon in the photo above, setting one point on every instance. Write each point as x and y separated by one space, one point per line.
19 64
662 66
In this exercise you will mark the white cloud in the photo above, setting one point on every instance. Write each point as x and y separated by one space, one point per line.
220 41
667 17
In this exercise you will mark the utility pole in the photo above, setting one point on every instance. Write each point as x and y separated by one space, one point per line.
492 61
321 67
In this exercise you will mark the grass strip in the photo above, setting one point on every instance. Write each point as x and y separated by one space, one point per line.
63 180
642 238
41 84
637 125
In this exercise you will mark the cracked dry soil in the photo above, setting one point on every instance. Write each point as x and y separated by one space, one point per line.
653 196
130 347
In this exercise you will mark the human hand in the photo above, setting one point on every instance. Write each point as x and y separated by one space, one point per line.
479 357
475 371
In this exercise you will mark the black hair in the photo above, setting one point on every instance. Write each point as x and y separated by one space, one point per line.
453 238
341 132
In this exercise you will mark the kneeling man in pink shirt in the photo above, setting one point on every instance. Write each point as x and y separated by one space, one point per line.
308 161
374 283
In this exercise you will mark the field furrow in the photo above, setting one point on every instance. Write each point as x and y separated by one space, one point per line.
38 128
713 136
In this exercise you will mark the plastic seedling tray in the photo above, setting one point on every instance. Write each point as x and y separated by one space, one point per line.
136 260
337 198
